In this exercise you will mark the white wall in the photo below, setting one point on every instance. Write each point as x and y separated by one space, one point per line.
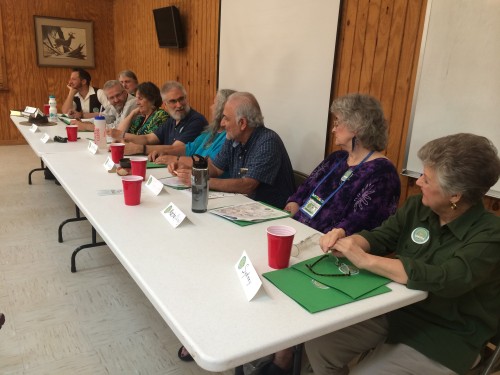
282 51
458 84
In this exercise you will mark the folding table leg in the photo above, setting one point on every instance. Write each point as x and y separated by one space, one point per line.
77 218
297 359
36 169
77 250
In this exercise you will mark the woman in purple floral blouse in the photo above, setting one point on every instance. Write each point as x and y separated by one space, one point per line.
370 192
353 189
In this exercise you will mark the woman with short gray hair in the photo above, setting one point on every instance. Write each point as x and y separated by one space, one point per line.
445 243
356 187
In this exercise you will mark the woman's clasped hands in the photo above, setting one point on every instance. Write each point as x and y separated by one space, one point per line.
342 246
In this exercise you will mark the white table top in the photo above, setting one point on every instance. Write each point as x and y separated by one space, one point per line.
40 148
188 272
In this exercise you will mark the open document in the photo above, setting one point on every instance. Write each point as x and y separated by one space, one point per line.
249 213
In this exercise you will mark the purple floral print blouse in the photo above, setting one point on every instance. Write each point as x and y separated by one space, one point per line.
367 198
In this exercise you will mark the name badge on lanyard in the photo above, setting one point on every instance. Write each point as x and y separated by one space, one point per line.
315 203
312 206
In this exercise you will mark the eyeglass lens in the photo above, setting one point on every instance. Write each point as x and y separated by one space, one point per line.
346 269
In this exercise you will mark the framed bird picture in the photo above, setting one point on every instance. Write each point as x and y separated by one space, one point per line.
64 42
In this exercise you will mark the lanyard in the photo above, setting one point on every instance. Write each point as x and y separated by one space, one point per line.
344 179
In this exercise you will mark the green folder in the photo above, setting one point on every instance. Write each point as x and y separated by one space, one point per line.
354 286
152 164
311 294
66 120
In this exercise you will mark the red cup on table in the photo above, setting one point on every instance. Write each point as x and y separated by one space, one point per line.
279 245
138 166
46 109
72 132
117 150
132 189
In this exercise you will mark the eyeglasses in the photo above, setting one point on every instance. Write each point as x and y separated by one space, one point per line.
180 100
306 243
337 122
344 268
111 98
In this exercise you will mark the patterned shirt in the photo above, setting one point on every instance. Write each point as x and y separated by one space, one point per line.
366 199
263 158
152 123
185 131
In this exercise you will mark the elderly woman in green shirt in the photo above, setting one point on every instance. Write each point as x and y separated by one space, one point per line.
446 243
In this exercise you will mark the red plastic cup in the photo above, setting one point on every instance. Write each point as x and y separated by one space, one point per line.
279 245
72 132
117 150
138 166
46 109
132 189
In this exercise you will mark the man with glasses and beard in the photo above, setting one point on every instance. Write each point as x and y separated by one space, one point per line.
183 125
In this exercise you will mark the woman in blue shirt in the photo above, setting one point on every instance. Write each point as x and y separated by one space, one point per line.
207 143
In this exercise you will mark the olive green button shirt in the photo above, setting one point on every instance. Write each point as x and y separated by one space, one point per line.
459 265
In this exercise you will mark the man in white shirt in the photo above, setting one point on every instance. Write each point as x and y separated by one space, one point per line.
83 100
121 103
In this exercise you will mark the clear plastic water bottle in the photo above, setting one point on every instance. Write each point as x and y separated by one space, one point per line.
53 108
100 132
199 184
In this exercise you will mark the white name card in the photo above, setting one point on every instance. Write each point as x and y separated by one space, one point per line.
45 138
92 147
173 215
154 185
33 128
109 164
248 276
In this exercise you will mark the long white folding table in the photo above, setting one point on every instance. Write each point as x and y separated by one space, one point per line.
188 272
40 148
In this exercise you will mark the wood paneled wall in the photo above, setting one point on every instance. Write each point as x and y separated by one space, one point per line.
377 53
195 66
30 84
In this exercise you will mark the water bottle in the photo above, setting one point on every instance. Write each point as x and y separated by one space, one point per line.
199 184
53 108
100 132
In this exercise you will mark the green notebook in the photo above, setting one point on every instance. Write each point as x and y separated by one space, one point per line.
354 286
311 294
152 164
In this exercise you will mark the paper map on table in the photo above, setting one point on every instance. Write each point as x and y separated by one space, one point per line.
253 212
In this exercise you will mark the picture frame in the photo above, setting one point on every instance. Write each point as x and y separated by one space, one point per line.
62 42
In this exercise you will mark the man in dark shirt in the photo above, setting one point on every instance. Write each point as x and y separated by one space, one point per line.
254 156
183 125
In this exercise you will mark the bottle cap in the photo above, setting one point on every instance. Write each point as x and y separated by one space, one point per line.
201 163
52 96
100 118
